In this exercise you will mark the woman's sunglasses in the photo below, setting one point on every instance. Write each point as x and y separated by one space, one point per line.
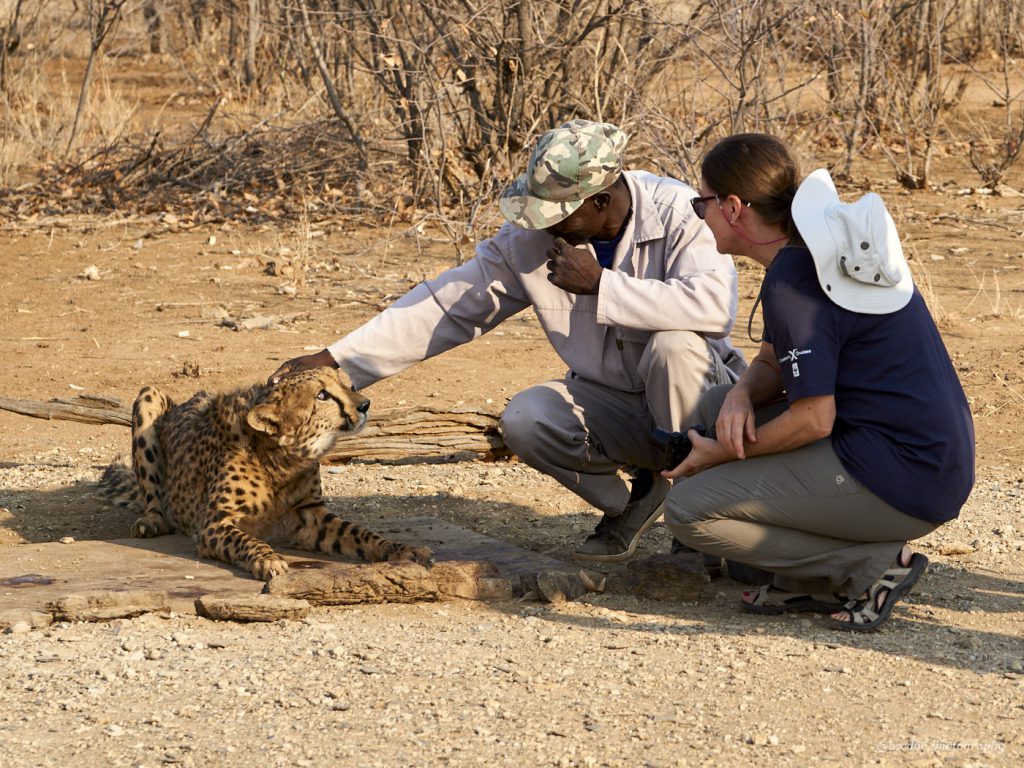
700 204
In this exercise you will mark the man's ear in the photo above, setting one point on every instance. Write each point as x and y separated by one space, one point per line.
263 418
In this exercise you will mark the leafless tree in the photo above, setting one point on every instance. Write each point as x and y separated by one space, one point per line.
153 16
1009 97
101 16
846 39
10 38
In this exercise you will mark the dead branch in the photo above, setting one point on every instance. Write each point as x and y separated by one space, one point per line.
84 409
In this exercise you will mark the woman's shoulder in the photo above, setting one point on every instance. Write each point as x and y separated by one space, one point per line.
792 265
793 255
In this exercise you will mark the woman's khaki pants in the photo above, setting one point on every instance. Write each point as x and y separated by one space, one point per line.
798 514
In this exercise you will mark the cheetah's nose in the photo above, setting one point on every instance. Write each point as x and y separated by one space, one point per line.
363 407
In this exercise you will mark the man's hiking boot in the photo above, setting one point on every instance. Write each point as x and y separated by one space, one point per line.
616 536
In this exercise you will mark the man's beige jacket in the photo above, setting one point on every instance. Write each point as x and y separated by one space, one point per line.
667 275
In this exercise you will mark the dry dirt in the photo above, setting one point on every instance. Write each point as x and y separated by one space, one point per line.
105 305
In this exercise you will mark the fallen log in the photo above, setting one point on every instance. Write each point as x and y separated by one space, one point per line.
399 582
89 409
357 584
392 435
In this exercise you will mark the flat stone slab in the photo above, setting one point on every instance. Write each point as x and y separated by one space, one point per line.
36 577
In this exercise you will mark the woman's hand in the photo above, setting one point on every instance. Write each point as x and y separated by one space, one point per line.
706 453
760 384
735 422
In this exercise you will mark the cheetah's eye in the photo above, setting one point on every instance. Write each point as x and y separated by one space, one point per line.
322 395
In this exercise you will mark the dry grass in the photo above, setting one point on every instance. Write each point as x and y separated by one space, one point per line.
987 302
34 119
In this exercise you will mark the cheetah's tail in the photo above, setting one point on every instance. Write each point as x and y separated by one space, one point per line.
119 486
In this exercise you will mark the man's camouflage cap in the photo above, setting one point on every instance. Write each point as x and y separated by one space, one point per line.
569 164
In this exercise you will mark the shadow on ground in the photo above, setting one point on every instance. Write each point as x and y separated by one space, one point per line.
940 623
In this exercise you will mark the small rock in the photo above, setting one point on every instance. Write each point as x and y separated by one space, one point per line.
104 606
251 608
955 549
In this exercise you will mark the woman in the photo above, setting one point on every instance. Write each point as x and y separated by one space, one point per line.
849 434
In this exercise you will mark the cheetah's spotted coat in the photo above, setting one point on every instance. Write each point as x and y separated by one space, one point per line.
227 469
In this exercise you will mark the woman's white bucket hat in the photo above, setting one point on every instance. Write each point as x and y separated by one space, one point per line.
856 249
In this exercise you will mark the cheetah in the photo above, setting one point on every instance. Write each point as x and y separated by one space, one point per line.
229 469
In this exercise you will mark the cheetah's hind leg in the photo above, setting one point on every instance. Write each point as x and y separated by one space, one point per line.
148 461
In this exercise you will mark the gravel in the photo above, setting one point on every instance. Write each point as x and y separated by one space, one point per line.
602 681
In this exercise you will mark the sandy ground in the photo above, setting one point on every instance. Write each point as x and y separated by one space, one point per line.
103 306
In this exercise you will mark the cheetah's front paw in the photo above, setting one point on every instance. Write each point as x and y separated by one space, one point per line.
148 526
420 555
268 567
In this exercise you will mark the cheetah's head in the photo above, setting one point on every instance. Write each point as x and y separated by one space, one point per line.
306 412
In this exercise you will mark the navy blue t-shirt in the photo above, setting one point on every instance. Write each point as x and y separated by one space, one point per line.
903 427
605 249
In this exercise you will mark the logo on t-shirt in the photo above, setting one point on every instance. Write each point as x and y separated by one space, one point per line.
791 357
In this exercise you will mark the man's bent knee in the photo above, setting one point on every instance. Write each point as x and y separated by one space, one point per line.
518 424
673 347
530 420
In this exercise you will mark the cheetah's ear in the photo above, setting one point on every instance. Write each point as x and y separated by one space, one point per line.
263 418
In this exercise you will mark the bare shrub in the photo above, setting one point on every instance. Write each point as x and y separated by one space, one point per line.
994 152
426 109
845 38
101 17
33 105
731 69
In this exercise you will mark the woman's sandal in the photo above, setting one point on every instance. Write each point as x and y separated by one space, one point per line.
871 611
769 599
